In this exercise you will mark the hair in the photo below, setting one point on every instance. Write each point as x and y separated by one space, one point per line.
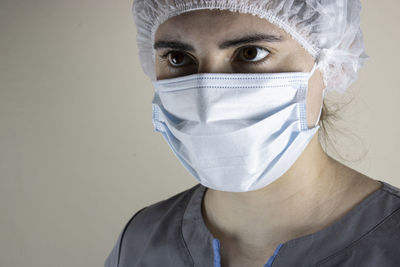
334 138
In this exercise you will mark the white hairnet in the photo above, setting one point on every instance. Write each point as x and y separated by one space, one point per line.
328 29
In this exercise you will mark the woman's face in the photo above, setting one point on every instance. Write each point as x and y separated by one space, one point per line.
215 41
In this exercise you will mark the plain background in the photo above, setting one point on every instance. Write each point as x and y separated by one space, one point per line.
78 155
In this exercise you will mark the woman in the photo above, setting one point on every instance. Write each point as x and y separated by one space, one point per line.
239 88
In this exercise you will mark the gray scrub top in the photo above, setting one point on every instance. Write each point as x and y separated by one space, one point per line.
172 233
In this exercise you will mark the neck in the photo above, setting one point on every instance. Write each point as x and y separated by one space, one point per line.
280 210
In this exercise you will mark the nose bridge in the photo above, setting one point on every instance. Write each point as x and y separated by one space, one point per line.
214 63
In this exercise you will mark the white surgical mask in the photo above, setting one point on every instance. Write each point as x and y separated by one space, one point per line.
234 132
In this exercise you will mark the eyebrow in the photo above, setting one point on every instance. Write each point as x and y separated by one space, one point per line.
252 38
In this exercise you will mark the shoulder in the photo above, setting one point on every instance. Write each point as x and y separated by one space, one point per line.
149 218
380 243
391 189
161 217
386 209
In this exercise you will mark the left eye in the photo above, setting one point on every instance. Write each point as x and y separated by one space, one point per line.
253 53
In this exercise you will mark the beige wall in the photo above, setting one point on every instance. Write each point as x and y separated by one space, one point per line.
78 155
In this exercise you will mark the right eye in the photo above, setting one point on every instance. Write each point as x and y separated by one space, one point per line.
177 59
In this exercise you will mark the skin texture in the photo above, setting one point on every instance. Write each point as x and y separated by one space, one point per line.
314 193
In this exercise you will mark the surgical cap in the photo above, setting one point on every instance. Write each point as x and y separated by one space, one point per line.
328 29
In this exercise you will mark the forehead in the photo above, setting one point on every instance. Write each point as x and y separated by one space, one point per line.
219 24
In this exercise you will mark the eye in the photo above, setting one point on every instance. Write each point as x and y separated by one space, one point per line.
177 58
253 54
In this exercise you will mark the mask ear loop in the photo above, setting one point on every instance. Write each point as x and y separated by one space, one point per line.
320 110
312 70
323 93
